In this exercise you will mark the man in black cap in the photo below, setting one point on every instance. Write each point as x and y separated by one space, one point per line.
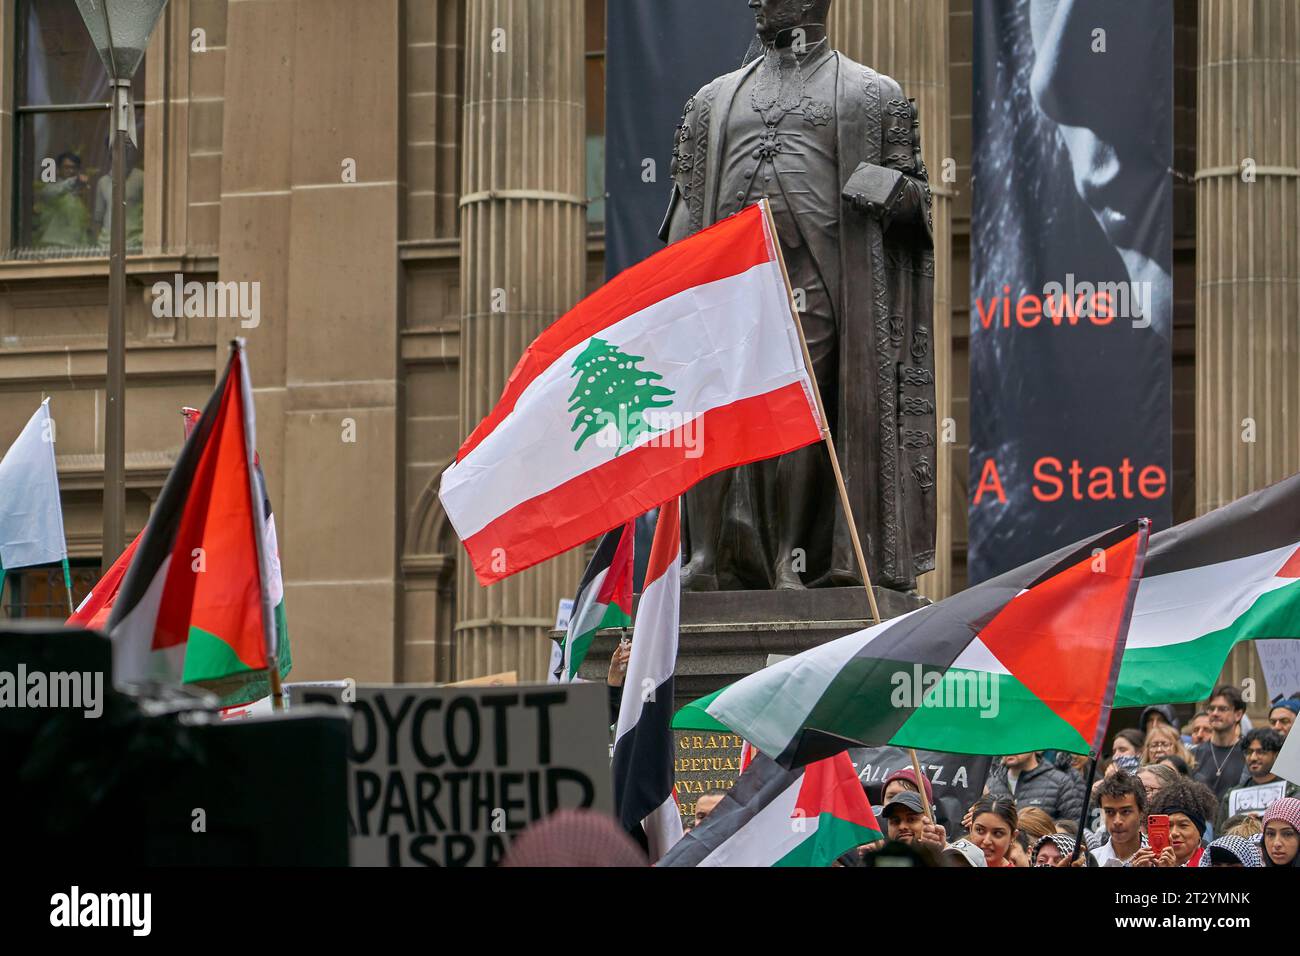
906 822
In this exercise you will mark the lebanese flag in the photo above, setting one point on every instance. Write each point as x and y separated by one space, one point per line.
809 816
1028 660
195 603
644 800
684 365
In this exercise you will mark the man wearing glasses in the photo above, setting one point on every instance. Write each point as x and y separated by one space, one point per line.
1260 786
1220 761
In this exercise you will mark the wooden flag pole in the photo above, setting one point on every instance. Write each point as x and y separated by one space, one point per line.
827 437
829 440
920 785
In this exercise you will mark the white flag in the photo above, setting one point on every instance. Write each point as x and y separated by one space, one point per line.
31 518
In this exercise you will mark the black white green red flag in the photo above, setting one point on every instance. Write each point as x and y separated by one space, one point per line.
604 598
196 603
1024 661
1231 575
239 685
808 816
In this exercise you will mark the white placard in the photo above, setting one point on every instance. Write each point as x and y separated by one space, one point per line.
1255 799
1287 764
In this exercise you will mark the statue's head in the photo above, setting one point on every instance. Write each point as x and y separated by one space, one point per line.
777 19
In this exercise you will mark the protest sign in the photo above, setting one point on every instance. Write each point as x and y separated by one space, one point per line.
1255 799
1281 663
1287 764
447 776
957 779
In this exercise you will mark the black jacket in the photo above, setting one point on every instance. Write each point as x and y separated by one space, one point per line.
1052 790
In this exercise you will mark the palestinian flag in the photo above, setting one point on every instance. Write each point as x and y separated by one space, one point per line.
1228 576
196 604
808 816
94 610
682 366
644 800
604 598
1024 661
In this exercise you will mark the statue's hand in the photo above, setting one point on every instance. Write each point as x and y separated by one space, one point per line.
872 190
867 207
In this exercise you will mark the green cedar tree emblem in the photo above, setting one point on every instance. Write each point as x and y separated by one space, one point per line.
612 390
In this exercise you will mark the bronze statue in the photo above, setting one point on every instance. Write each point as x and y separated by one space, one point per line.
835 148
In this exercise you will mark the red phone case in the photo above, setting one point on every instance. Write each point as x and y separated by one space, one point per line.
1158 832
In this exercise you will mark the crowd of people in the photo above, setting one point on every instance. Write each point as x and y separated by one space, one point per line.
1156 802
1209 785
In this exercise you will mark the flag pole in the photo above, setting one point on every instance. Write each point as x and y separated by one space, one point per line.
259 529
829 441
827 437
1087 799
67 581
920 784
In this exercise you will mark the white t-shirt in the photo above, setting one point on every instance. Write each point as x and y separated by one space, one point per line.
1105 853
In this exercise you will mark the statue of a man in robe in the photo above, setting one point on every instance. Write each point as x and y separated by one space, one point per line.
835 149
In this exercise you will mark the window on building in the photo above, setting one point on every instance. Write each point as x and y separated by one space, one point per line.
596 113
62 183
41 592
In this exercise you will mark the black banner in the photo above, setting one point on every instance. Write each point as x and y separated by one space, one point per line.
957 779
658 53
1071 288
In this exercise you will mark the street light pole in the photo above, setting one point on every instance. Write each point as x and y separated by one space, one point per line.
115 388
120 30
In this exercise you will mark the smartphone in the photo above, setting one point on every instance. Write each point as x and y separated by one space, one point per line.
1158 832
1126 762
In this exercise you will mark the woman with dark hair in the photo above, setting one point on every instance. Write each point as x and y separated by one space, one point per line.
1127 743
1189 806
1281 838
993 828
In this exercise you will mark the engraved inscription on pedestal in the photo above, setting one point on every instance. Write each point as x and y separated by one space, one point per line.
703 761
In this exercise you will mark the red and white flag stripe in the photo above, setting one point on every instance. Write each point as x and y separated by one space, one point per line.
711 316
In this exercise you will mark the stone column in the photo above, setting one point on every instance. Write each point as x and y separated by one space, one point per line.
523 240
908 40
1247 255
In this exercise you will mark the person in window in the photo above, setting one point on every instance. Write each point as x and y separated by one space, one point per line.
103 224
62 217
